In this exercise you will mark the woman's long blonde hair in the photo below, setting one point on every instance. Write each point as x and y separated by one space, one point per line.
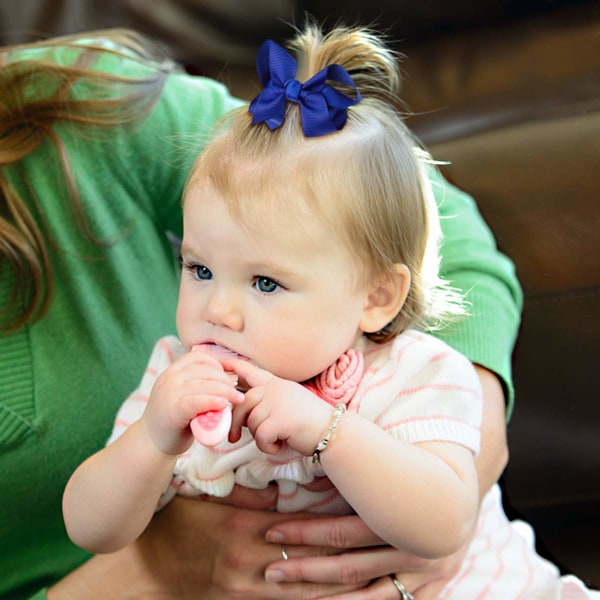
36 94
368 181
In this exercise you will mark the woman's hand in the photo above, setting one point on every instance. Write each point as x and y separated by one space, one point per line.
197 549
356 554
342 550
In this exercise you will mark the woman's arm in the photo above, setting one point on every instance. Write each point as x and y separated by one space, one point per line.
470 260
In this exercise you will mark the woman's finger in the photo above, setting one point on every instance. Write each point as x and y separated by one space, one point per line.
348 567
346 532
380 589
319 484
244 497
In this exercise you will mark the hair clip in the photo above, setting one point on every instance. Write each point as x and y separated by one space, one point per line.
323 109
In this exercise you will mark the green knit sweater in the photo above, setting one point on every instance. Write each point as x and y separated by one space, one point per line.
63 378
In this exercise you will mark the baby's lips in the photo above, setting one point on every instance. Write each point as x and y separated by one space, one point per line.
216 350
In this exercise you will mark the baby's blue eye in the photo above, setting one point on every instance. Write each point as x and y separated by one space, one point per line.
202 272
266 285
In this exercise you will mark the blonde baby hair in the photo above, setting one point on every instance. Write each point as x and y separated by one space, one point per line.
367 181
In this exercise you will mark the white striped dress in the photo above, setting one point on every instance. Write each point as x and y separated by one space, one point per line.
417 389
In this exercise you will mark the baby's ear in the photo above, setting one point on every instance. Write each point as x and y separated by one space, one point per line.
385 298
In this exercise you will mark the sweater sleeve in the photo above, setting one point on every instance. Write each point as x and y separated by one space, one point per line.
471 262
39 595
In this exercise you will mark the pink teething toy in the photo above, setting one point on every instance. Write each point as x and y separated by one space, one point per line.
211 427
335 385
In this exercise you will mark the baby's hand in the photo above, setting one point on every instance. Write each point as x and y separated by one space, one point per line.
193 384
211 427
276 410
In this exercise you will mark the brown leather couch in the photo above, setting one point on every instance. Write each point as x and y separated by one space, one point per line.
507 91
515 107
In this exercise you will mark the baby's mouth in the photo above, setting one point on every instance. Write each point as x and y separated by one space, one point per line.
217 351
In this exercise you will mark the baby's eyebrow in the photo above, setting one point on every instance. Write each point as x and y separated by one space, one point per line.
271 269
186 249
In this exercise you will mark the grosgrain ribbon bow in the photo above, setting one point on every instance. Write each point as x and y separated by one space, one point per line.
323 109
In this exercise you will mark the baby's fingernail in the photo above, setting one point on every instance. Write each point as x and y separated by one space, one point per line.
240 395
275 537
273 576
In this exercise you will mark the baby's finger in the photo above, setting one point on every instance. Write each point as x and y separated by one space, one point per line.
254 376
195 377
268 430
197 366
198 386
195 404
198 358
241 412
267 438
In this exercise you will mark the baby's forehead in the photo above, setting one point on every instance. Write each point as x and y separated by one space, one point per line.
287 220
264 200
276 245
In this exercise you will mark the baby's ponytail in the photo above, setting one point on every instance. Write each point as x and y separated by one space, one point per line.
373 66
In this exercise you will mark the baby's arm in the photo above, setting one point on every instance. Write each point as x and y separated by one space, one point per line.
112 496
419 497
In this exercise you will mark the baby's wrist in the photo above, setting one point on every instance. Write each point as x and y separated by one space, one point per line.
329 433
152 444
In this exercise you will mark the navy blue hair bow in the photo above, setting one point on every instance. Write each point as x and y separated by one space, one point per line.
323 109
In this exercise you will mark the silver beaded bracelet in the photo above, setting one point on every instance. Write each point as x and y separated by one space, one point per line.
340 409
